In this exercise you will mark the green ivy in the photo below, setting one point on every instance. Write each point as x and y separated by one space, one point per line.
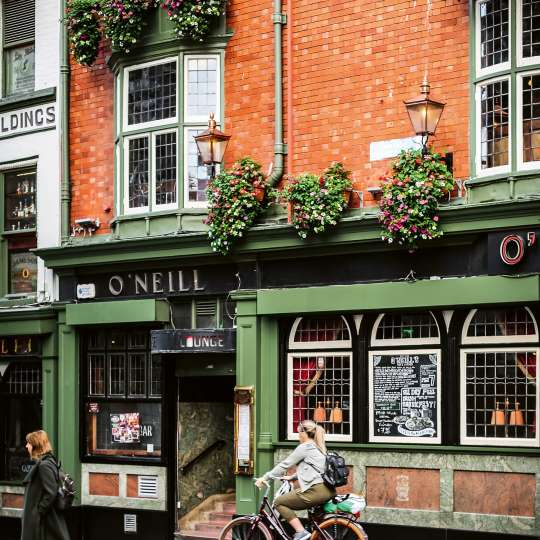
232 205
410 198
318 201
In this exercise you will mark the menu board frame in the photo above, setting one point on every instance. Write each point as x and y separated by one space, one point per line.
371 405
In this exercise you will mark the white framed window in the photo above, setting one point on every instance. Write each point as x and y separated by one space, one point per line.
493 126
499 326
157 122
320 388
405 329
405 396
493 21
499 396
528 32
320 332
528 120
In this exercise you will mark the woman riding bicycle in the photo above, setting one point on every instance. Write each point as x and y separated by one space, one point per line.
310 460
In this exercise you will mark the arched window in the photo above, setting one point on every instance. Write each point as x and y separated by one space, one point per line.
320 376
405 329
499 377
404 379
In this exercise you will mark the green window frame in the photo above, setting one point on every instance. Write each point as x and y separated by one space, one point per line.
506 87
17 24
157 165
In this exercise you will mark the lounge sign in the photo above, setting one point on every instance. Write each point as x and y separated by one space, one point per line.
26 120
193 341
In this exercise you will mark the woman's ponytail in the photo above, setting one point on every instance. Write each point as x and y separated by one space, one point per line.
315 432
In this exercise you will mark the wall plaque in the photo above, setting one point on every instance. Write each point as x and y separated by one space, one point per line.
404 403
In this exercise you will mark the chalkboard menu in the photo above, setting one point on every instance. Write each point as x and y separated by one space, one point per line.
405 396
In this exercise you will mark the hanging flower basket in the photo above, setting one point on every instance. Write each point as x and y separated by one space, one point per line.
409 201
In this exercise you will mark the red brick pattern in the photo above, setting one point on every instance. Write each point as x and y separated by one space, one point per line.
509 494
106 484
12 500
354 62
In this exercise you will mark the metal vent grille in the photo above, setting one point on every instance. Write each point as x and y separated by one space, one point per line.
206 307
148 487
130 523
18 21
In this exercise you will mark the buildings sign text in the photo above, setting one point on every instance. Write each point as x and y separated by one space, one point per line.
27 120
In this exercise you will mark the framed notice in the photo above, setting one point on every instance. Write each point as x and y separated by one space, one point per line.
405 396
243 430
23 272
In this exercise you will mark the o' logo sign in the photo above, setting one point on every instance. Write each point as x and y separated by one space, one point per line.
512 249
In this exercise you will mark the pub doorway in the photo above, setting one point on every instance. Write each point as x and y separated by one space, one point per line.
205 441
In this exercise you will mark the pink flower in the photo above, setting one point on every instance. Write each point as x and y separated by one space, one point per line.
435 218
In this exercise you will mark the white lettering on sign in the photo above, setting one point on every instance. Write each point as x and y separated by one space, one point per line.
391 148
27 120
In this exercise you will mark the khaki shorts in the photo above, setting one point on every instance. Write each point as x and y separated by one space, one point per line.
302 500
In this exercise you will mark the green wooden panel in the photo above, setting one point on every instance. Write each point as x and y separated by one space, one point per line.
27 327
473 291
126 311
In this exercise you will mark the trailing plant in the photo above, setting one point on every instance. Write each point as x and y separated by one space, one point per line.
410 198
193 18
124 21
82 18
232 203
318 201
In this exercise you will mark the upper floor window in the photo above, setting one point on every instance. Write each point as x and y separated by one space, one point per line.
18 49
164 104
505 70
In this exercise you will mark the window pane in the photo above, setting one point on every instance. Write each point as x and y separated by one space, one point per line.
23 272
152 93
531 118
155 376
96 374
501 394
501 323
530 28
137 374
407 326
322 388
494 16
197 171
320 329
20 63
494 116
117 374
166 168
138 172
202 89
20 200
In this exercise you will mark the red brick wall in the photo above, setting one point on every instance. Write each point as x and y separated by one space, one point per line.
354 62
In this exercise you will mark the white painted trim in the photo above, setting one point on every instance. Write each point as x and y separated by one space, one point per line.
125 143
519 39
407 440
523 165
491 70
478 110
358 321
303 345
447 316
23 164
187 202
291 435
154 207
217 112
495 441
403 342
479 340
154 123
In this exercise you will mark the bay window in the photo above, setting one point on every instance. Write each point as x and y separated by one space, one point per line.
507 128
164 104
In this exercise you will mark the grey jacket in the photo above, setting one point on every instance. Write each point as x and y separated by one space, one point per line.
310 464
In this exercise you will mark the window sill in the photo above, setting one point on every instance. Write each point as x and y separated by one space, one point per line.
21 231
506 177
18 301
162 213
27 99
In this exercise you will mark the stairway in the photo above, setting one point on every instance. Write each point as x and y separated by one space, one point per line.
207 520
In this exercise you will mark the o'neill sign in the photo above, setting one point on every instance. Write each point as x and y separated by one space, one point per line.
22 121
193 341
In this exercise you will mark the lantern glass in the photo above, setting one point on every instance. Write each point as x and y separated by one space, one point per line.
204 145
424 115
212 145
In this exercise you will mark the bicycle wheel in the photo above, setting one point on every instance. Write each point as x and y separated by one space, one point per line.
340 528
240 529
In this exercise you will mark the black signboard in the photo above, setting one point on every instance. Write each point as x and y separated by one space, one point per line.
193 341
514 251
405 396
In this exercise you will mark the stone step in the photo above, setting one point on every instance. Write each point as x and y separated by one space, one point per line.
197 535
220 516
229 507
210 525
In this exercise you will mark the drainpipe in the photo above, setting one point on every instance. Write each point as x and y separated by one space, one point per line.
64 128
279 19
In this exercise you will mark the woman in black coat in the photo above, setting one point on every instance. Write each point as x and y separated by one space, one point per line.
41 520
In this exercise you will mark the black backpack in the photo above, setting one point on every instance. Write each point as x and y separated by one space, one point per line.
336 471
66 490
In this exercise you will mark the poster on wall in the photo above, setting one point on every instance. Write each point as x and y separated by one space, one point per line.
404 401
126 428
23 272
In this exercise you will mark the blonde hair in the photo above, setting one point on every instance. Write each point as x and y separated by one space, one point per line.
315 432
40 443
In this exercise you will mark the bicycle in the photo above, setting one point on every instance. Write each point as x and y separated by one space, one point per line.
266 525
